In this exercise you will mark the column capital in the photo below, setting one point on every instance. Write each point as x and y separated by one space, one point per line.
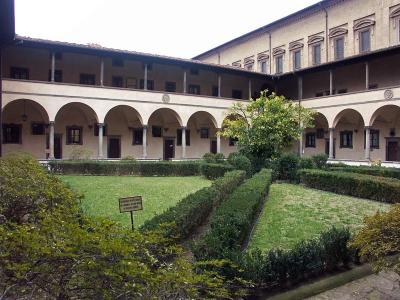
51 123
367 127
145 126
183 127
100 124
331 129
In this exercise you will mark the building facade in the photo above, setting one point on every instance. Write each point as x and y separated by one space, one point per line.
338 57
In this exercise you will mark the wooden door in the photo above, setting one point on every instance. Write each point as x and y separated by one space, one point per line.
393 151
213 146
169 149
114 147
57 146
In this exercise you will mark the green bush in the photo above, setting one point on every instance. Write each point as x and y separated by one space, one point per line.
209 158
285 168
306 163
374 171
193 210
240 162
232 221
219 158
126 167
320 161
307 258
214 171
357 185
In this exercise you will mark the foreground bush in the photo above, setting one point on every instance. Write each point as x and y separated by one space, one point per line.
58 253
374 171
285 168
126 167
379 240
240 162
214 171
233 220
357 185
193 210
308 258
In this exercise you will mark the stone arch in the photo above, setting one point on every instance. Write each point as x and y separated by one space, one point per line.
345 114
205 114
386 112
167 112
125 110
24 106
83 108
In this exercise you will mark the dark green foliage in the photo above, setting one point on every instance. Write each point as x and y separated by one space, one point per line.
320 161
193 210
219 158
214 171
306 163
240 162
308 258
209 158
285 168
126 167
352 184
374 171
232 221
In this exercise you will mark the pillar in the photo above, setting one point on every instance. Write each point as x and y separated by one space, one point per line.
145 77
51 139
184 82
218 141
331 143
219 85
366 76
53 66
145 142
367 143
249 89
330 82
183 142
102 72
301 144
101 134
300 88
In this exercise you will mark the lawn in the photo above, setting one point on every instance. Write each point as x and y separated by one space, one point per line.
101 194
293 213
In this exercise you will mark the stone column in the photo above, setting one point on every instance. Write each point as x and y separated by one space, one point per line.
183 142
219 85
249 89
53 66
218 141
101 133
144 141
184 82
145 78
331 143
102 72
366 76
51 139
330 82
367 143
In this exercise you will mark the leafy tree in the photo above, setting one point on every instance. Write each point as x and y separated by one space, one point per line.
379 240
267 125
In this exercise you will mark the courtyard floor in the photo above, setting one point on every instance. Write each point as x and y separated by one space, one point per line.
293 213
101 194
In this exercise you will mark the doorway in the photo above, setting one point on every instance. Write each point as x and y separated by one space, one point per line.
169 148
114 147
392 147
57 146
327 144
213 146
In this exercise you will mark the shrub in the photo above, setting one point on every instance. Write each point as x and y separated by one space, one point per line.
320 161
285 168
232 221
240 162
126 167
209 158
374 171
306 163
219 158
357 185
80 153
214 171
193 210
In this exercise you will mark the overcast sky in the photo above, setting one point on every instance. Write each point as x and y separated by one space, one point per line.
181 28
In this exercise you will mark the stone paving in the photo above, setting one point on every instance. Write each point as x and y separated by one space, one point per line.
382 286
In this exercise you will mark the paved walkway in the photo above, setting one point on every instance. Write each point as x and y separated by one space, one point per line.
382 286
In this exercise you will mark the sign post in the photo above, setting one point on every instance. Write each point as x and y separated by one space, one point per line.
130 204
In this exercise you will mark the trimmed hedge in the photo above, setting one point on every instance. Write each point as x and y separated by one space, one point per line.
374 171
232 222
193 210
157 168
214 171
352 184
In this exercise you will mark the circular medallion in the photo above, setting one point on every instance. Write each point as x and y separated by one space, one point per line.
388 94
165 98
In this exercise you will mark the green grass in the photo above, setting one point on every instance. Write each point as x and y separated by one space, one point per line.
101 194
293 213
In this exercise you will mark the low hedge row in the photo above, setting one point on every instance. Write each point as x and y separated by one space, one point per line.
307 259
193 210
214 171
156 168
374 171
352 184
232 221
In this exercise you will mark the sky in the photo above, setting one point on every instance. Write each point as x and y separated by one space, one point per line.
180 28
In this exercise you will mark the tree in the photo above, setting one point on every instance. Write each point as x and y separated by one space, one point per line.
379 240
267 125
